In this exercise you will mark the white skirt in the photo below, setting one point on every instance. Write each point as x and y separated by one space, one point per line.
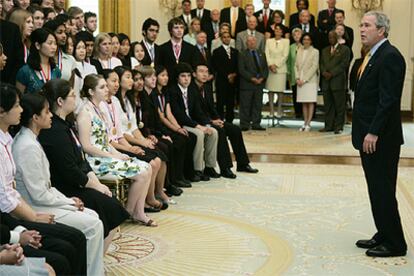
308 93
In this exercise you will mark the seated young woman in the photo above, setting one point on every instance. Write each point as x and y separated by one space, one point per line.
162 101
34 184
104 159
113 112
160 141
153 121
64 247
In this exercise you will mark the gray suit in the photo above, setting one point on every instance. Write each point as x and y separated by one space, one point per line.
334 89
251 95
242 38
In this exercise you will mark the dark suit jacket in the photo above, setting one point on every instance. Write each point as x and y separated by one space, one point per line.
206 16
199 58
68 166
185 23
326 22
247 69
7 223
241 24
178 107
313 32
10 38
167 57
207 102
208 28
150 116
294 20
337 64
260 24
378 99
147 58
222 65
353 75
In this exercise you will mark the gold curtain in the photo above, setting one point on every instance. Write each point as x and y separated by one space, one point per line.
115 16
291 8
242 3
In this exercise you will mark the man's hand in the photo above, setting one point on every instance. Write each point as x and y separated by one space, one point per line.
327 75
78 203
255 80
182 131
370 143
218 123
30 237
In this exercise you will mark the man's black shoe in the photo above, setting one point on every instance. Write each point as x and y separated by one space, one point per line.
182 184
244 128
211 172
195 178
247 169
202 176
172 190
383 251
367 244
227 173
258 128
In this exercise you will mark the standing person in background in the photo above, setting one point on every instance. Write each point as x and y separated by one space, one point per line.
326 22
307 80
224 63
212 27
193 30
24 20
241 41
150 30
91 22
377 133
186 17
235 16
202 13
253 70
277 53
59 6
307 27
79 18
294 17
291 63
224 28
277 20
264 17
102 53
334 64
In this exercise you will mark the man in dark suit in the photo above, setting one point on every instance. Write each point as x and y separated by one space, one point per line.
326 22
187 111
349 32
377 133
224 129
294 17
175 50
212 27
224 63
264 18
150 30
253 72
235 16
10 38
202 13
307 27
186 17
334 63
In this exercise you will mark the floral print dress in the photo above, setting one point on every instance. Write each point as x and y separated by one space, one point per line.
107 166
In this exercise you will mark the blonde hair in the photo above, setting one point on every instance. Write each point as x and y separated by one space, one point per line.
146 71
19 17
98 40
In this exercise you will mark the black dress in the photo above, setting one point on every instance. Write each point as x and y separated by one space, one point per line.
69 168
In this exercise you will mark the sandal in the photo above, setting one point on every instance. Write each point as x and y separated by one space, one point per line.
149 223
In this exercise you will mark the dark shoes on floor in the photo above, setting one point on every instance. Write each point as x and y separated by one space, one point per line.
211 172
227 173
247 169
383 251
367 244
172 190
325 130
182 184
338 131
244 128
202 176
258 128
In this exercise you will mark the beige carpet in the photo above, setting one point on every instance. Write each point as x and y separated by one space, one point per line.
289 219
288 140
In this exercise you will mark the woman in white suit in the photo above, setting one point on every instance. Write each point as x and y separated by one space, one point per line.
277 53
307 71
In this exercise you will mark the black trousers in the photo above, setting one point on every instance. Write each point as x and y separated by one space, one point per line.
381 169
64 247
191 141
334 104
234 134
225 93
297 106
179 149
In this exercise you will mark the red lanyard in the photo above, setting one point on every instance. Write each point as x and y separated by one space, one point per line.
10 157
43 74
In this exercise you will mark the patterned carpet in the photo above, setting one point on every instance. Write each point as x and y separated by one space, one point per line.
289 219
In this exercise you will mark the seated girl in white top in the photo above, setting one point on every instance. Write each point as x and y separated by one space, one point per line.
105 160
102 53
33 181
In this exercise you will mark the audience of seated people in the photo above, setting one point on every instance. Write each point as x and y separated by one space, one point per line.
150 116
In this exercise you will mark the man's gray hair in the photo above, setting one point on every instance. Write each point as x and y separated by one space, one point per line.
382 21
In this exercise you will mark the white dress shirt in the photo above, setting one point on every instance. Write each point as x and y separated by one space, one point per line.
184 95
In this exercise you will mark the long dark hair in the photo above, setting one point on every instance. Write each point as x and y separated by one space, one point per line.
40 36
8 96
121 70
32 104
55 89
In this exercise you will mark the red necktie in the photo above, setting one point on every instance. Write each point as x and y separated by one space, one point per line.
265 19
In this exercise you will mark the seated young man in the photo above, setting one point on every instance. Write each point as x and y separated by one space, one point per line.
225 130
186 109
